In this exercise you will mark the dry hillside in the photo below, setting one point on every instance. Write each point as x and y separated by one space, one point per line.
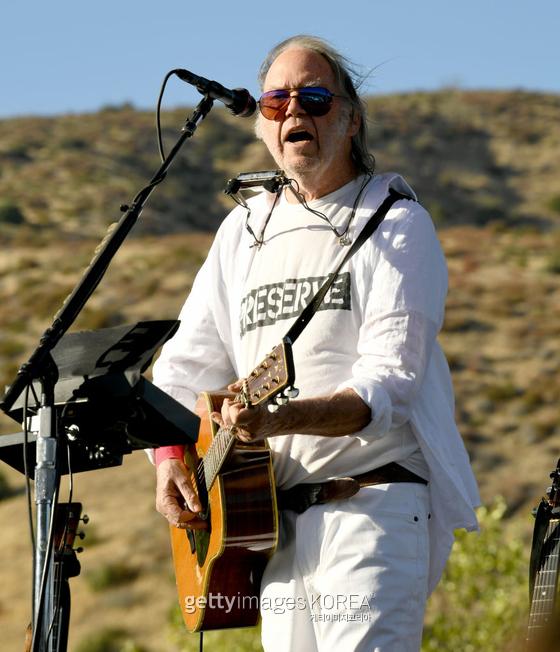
485 164
473 157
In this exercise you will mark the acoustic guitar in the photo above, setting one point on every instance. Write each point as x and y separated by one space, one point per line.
545 564
218 570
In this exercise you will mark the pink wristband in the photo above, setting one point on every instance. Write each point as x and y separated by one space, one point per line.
168 452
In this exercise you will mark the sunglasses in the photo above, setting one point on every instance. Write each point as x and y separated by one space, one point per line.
314 100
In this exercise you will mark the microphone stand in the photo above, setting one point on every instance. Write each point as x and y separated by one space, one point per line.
41 367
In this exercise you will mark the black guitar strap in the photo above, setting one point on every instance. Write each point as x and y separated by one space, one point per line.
368 230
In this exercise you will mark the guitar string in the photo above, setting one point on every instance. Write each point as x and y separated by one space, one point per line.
208 466
544 598
551 567
534 611
541 586
547 604
543 601
543 605
537 591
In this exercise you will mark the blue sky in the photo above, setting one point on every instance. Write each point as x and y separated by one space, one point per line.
62 56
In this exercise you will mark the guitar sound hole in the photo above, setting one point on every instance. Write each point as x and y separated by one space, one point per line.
202 541
192 541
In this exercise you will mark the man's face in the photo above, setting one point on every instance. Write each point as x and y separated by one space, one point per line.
316 151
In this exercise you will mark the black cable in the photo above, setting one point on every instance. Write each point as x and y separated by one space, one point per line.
70 474
26 468
28 493
57 604
241 202
158 114
294 187
35 397
260 242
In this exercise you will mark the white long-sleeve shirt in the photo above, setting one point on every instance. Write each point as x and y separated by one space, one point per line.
375 334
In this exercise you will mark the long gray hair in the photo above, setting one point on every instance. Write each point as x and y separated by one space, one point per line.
347 78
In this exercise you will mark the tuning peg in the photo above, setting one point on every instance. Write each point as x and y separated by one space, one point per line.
81 535
292 392
78 550
85 519
73 432
281 399
272 407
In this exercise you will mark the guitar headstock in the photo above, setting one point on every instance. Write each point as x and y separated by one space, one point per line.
553 492
272 380
67 520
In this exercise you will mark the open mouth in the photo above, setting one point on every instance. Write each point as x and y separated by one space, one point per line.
299 137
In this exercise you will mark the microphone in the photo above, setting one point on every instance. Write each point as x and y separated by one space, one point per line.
239 101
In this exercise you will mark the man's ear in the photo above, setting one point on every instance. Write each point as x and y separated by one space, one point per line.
355 123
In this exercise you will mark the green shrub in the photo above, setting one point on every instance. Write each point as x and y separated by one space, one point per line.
232 640
437 212
552 263
10 213
92 536
502 392
110 576
553 203
482 600
109 640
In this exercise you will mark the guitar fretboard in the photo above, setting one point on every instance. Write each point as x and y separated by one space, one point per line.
216 455
269 379
546 582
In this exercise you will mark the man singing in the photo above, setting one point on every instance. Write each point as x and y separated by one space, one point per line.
375 403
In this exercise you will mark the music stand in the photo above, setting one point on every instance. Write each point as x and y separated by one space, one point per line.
104 408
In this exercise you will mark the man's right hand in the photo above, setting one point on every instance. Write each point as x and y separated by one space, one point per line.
175 497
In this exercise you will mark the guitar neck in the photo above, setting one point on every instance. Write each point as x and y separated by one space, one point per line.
270 381
546 582
216 455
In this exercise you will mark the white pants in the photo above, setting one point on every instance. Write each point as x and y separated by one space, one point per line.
350 575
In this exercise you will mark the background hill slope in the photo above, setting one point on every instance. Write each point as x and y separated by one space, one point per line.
473 157
486 166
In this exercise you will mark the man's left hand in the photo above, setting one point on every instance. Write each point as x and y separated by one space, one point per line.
250 424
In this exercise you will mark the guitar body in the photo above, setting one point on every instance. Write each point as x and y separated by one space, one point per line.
219 570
